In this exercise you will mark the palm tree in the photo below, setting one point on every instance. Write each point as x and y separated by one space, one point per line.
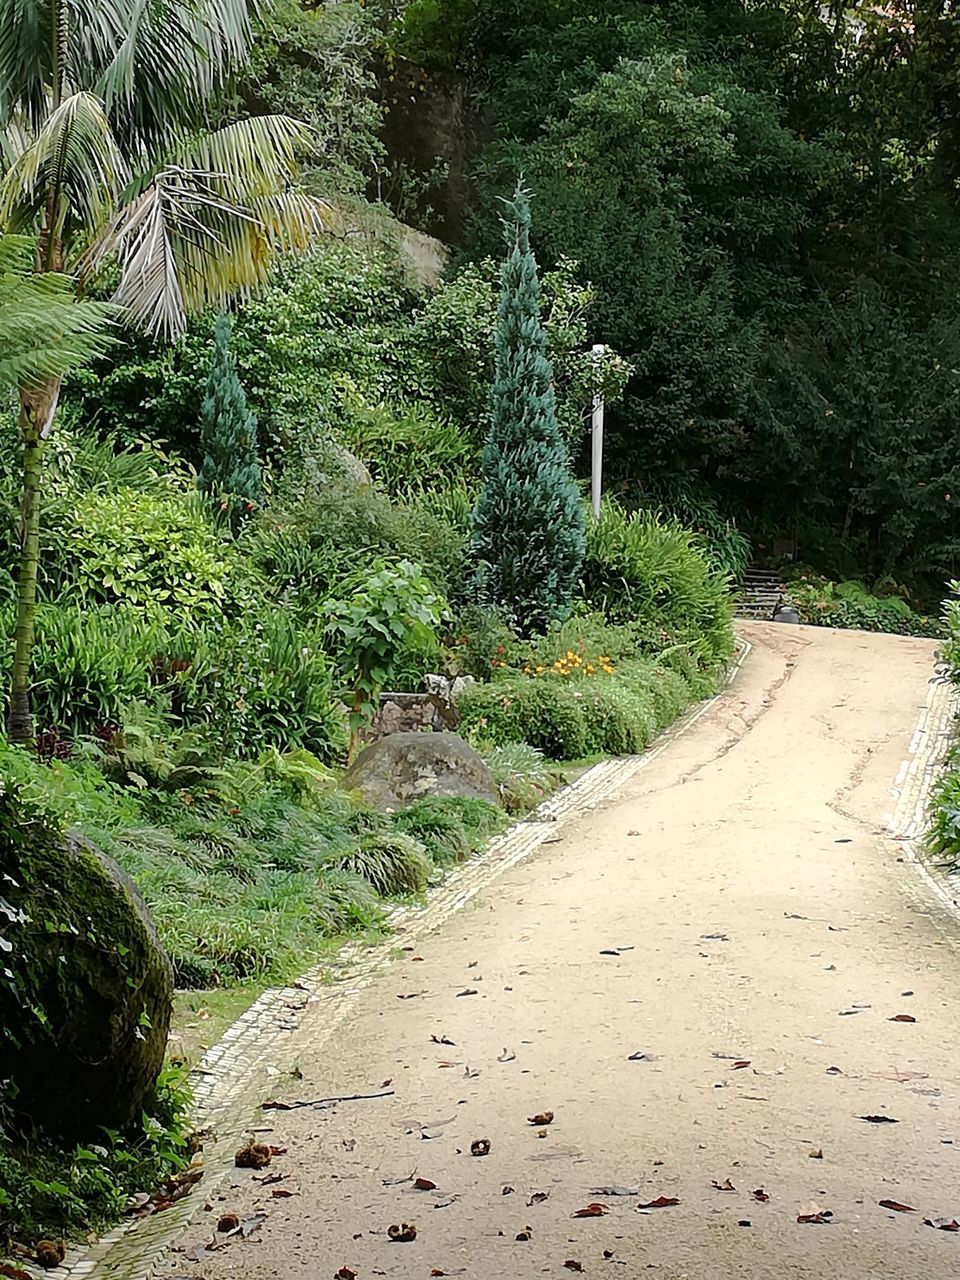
107 157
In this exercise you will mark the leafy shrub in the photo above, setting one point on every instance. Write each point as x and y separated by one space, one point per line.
823 603
148 550
407 447
480 643
546 715
640 570
386 612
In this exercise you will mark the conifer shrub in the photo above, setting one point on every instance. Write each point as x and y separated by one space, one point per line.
528 530
230 474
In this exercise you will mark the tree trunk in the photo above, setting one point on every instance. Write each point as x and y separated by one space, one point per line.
37 407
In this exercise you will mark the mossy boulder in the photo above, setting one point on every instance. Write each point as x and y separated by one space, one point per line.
404 767
85 987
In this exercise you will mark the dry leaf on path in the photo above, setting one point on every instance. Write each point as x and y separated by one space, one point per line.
544 1117
49 1253
661 1202
902 1017
572 1265
942 1224
760 1195
538 1197
818 1217
739 1066
834 1071
405 1233
507 1191
253 1156
896 1206
592 1211
345 1273
816 1154
443 1040
724 1186
642 1057
468 992
480 1147
228 1222
525 1235
424 1184
614 1191
879 1119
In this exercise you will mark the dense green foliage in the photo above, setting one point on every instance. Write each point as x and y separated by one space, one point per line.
528 535
230 474
823 603
763 198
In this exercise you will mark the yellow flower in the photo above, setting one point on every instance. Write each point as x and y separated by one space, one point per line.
539 669
590 668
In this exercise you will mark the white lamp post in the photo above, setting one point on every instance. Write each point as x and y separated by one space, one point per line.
596 440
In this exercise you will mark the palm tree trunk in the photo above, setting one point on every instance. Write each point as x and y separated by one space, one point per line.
37 407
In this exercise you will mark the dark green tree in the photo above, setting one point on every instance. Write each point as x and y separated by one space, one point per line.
528 530
230 474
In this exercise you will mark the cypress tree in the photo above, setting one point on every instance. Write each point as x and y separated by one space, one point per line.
528 526
230 473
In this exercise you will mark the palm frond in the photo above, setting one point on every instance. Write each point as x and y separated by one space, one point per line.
196 237
71 167
44 331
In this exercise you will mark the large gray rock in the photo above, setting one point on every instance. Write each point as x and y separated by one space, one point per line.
404 767
86 989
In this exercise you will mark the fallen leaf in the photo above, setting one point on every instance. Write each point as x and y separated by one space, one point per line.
942 1224
470 1073
443 1040
253 1156
403 1234
879 1119
538 1197
480 1147
11 1272
739 1066
349 1144
614 1191
470 991
507 1056
849 1013
902 1017
834 1071
714 937
820 1218
251 1224
544 1117
525 1234
661 1202
409 995
281 1193
896 1206
437 1272
815 1155
507 1191
345 1274
609 951
724 1186
760 1195
642 1057
592 1211
49 1253
424 1184
278 1151
572 1265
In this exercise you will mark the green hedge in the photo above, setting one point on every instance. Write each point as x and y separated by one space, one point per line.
568 718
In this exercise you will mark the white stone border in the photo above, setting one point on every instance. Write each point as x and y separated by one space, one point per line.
231 1079
932 741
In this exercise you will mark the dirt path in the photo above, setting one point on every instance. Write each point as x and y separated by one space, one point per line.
760 920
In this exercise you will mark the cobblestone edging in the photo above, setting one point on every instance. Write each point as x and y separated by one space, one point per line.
933 738
235 1075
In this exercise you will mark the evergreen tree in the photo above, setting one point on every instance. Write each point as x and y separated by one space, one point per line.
528 529
231 472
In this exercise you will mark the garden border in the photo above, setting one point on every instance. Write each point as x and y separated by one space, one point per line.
933 738
234 1075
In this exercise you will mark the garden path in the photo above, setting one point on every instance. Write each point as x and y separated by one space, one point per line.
739 917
